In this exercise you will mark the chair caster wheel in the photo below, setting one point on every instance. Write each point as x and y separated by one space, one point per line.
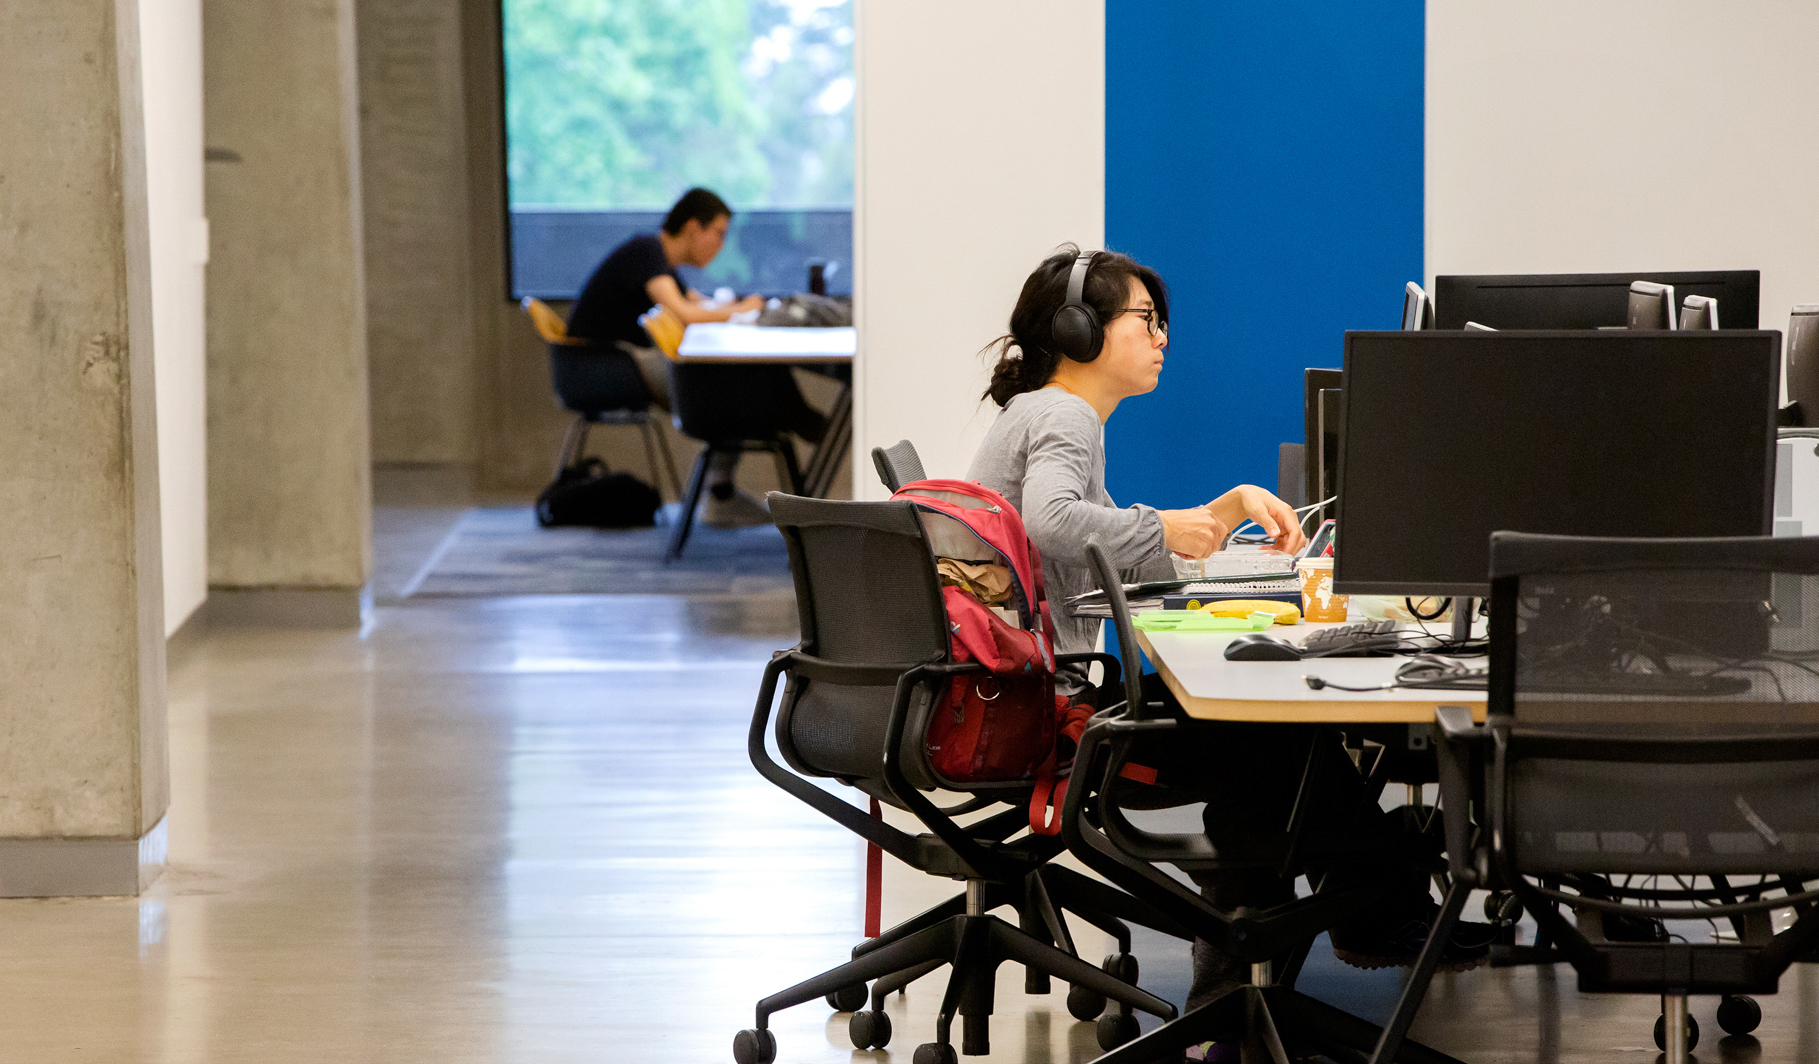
754 1047
1502 908
1692 1033
1739 1015
869 1030
1121 966
936 1053
848 998
1084 1003
1116 1028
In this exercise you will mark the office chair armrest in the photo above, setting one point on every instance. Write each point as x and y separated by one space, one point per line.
897 843
1457 737
1114 669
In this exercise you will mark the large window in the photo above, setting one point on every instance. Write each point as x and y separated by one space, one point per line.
613 108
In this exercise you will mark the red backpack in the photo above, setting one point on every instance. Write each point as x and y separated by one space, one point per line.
1001 726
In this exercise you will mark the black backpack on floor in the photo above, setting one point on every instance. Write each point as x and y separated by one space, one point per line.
586 494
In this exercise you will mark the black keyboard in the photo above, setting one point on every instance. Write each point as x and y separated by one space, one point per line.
1352 640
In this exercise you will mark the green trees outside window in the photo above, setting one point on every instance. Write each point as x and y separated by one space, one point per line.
623 104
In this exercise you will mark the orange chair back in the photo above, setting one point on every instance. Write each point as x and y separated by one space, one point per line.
666 330
549 324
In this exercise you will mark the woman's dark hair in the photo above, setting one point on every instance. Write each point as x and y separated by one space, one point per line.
697 204
1027 355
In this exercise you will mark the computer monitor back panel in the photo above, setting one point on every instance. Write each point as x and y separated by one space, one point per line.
1315 382
1448 437
1582 300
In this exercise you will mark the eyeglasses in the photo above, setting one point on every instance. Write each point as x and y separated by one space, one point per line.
1152 320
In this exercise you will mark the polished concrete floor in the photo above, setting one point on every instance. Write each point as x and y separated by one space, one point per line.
526 830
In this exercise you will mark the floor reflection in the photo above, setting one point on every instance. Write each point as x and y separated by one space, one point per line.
526 830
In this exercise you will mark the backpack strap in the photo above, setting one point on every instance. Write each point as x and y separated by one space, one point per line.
874 881
1071 719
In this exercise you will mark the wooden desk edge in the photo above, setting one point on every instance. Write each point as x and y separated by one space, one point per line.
1336 711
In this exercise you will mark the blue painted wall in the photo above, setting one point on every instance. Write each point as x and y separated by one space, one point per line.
1266 158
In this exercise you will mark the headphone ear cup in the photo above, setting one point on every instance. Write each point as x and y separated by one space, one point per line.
1077 333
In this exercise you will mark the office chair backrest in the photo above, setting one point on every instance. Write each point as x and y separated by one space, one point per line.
665 330
898 464
1661 700
866 595
549 324
1291 474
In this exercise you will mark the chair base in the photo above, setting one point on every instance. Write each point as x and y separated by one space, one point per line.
789 473
974 945
1276 1023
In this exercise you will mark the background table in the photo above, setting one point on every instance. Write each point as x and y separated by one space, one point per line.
727 343
1209 687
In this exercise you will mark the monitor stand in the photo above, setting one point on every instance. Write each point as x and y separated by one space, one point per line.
1463 611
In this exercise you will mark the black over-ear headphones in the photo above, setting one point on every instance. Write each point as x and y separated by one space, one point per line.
1076 328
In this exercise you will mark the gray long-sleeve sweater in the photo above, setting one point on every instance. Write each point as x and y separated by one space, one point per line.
1045 453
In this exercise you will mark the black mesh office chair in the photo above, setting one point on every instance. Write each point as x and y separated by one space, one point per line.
873 659
1275 1019
1652 754
898 464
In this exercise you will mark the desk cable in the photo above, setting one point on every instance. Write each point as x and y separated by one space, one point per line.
1422 671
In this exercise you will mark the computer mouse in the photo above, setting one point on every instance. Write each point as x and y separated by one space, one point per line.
1255 646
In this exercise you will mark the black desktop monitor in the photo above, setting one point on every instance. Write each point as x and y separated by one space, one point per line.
1320 462
1448 437
1582 300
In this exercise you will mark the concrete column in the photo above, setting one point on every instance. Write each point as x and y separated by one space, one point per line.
83 771
290 509
419 293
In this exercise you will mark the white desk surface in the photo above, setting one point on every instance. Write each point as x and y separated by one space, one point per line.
1209 687
722 341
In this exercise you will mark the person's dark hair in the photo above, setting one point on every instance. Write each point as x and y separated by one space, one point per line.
698 204
1027 355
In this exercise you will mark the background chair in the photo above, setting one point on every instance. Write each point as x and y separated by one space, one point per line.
601 386
1651 754
898 464
1275 1018
709 406
730 409
857 691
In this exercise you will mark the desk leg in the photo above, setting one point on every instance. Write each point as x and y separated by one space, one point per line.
825 462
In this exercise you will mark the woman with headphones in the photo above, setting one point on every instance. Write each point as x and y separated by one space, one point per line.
1089 331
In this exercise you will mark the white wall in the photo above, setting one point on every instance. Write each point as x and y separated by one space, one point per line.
171 61
1567 136
980 147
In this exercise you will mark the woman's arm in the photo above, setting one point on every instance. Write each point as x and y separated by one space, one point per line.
1060 516
1248 502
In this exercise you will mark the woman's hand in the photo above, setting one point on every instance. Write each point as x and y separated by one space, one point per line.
1193 533
1248 502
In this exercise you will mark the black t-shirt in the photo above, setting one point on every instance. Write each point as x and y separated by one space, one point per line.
608 307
